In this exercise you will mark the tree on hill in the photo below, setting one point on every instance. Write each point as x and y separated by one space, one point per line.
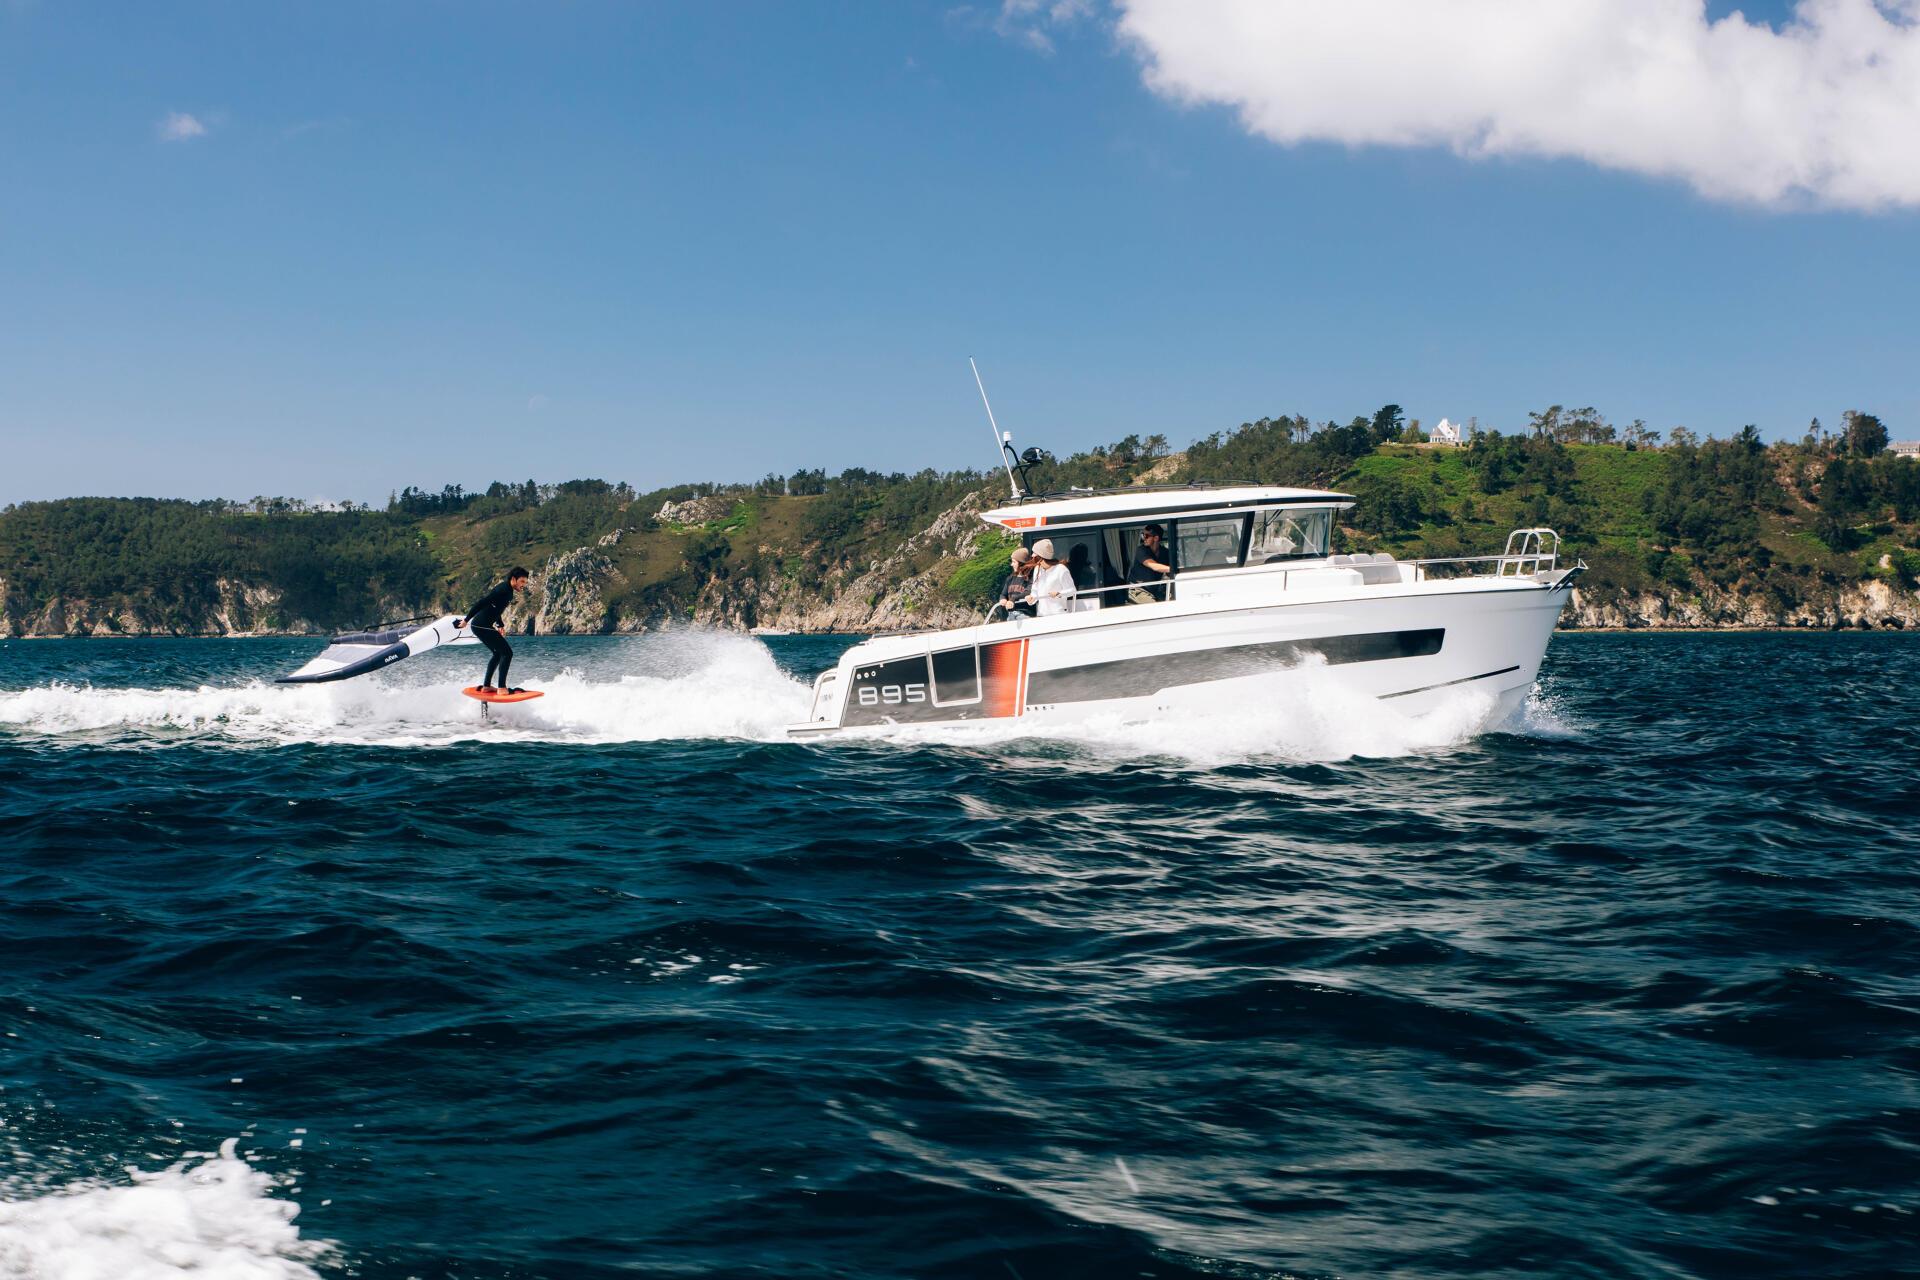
1132 450
1866 434
1713 496
1573 426
1500 462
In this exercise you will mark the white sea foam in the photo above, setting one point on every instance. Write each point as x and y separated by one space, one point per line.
698 685
1303 714
1543 716
211 1216
709 685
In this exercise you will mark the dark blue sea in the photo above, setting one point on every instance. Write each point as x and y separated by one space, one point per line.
345 981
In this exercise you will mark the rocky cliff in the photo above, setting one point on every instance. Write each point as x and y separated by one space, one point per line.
1869 606
576 593
235 609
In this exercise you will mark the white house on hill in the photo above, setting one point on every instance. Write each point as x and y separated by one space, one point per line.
1905 448
1446 433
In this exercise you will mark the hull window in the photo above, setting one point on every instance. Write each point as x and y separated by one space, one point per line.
956 676
894 691
1137 677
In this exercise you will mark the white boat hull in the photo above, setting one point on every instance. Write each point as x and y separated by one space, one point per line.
1414 644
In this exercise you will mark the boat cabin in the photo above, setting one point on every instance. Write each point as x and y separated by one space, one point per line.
1214 535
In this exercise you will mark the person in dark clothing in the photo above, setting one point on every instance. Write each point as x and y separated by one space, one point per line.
485 619
1019 585
1152 564
1080 565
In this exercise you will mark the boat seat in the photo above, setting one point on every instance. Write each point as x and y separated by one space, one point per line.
1377 569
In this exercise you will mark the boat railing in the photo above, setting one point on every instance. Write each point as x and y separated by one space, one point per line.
1167 585
1528 552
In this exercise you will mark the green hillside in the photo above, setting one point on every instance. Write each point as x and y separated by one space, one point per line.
1783 524
1731 515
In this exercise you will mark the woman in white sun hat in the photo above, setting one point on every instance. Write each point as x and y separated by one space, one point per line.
1053 588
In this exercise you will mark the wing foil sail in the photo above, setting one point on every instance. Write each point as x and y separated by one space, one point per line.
359 652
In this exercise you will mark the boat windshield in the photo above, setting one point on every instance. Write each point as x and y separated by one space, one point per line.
1101 558
1209 543
1283 534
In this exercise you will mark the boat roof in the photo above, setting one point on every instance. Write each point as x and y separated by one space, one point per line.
1086 506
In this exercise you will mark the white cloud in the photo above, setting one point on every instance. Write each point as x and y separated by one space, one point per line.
1825 110
180 127
1031 21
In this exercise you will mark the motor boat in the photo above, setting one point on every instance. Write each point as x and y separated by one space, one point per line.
1254 588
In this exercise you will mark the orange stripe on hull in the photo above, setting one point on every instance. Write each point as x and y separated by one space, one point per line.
1003 676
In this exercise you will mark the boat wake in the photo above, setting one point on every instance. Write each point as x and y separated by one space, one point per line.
1301 715
700 685
713 686
211 1215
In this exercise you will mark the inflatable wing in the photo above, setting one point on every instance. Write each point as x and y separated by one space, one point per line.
364 651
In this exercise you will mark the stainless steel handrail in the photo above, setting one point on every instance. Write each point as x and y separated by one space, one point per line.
1529 548
1528 551
1082 592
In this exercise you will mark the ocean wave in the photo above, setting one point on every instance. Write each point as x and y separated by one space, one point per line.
1331 993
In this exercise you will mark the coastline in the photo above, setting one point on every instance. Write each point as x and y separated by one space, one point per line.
1893 626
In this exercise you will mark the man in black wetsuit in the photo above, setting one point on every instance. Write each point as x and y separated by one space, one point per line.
485 617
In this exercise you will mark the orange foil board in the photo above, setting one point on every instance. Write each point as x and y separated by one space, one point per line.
525 695
1003 675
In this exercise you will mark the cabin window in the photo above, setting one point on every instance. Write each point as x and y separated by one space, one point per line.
1281 533
1209 543
1081 551
1123 548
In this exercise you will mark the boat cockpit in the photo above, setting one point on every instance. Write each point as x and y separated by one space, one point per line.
1203 535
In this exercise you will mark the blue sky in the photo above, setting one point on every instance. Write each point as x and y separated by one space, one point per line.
435 242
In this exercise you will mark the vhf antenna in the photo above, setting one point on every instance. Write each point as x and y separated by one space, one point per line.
1002 439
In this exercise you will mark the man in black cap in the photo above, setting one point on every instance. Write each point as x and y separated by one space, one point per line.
1152 563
